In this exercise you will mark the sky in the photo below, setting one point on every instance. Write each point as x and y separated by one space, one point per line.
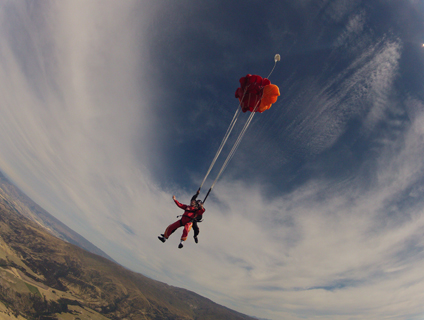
109 108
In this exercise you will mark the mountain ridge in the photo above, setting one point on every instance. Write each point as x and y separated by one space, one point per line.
45 277
24 205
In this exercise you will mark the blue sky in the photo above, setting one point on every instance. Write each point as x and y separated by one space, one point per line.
110 108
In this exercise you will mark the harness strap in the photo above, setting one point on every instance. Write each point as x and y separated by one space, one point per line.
191 220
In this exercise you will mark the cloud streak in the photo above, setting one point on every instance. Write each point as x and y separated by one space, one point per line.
72 114
330 227
324 248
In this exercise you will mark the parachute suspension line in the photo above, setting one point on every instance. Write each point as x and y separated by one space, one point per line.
233 150
224 140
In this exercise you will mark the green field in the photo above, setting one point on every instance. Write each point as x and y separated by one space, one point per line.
33 289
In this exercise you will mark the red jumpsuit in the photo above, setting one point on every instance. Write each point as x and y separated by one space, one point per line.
186 220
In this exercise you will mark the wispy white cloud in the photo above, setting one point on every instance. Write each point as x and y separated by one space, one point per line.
340 9
77 134
322 107
322 249
75 108
353 30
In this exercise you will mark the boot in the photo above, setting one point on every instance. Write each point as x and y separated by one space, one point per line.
162 238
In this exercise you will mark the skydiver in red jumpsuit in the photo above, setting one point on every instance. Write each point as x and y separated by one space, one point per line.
192 214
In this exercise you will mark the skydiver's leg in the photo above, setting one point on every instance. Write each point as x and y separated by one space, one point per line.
196 231
171 229
187 228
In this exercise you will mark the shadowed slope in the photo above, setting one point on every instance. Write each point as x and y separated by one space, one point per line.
25 206
83 280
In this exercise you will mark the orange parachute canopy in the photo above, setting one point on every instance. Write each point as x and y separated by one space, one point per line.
256 93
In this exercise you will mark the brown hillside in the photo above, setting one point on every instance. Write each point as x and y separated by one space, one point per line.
60 278
24 205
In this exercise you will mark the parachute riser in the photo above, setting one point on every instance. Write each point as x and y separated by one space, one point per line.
207 195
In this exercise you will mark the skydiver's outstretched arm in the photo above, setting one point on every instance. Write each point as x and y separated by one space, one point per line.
180 205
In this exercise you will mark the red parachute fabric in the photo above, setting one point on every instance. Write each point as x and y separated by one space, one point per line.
253 95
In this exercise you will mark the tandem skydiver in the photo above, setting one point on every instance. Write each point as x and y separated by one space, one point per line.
191 216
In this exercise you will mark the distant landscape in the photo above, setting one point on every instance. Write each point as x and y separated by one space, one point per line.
48 271
22 204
